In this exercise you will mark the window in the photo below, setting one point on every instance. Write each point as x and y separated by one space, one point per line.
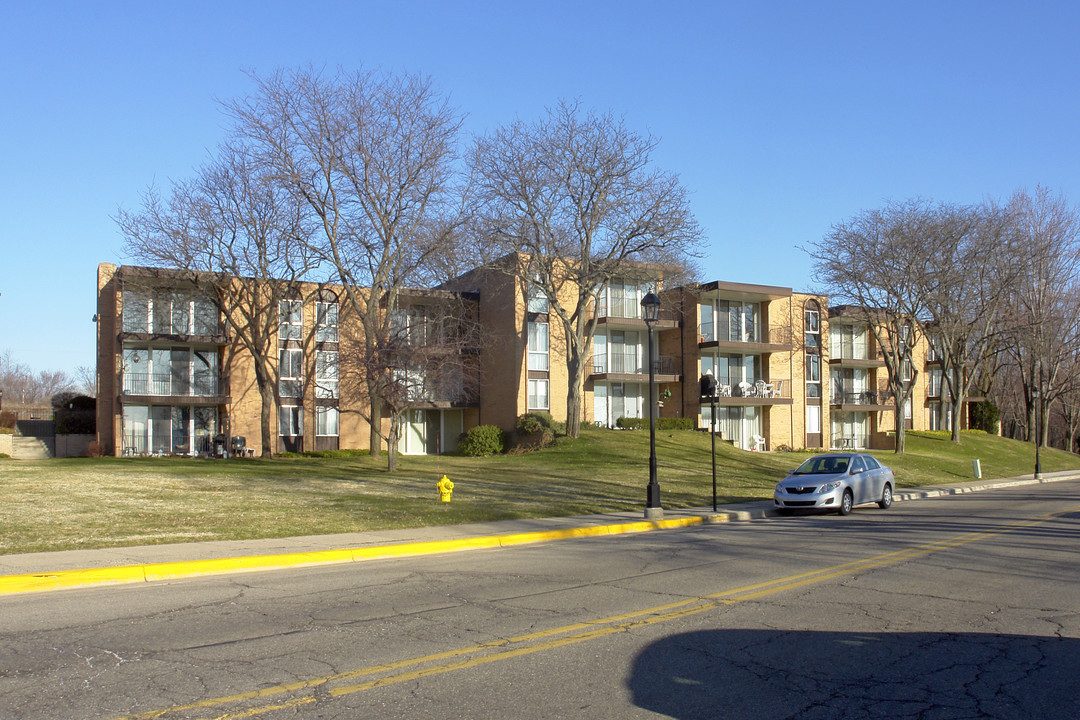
291 372
326 374
537 299
326 420
813 376
326 322
291 421
538 346
136 312
813 419
813 327
538 394
205 317
933 388
291 318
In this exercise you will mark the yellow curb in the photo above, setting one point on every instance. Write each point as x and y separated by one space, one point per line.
36 582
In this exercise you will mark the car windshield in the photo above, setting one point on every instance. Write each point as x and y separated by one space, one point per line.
823 465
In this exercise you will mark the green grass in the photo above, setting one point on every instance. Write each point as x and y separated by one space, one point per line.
106 502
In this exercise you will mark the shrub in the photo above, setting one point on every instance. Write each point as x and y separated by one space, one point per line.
985 416
7 420
95 450
482 440
664 423
535 422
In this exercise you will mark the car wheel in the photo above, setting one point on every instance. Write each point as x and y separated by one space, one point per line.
886 497
846 503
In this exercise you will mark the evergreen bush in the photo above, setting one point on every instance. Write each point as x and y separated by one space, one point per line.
482 440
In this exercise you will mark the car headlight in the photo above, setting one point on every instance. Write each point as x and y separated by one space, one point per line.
778 488
829 486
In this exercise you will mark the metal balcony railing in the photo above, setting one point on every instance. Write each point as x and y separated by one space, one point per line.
631 363
707 332
200 384
839 396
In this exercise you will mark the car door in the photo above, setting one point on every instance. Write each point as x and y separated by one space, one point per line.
859 477
875 480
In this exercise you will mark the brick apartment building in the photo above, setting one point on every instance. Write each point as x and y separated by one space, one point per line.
791 371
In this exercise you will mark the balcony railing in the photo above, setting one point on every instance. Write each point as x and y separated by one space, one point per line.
631 363
628 308
737 387
839 396
855 441
774 336
201 384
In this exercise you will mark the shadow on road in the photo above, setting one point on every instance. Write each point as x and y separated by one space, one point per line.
766 675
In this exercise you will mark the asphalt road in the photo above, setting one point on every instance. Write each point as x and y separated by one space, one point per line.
958 607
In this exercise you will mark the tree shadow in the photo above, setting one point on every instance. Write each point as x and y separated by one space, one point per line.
809 675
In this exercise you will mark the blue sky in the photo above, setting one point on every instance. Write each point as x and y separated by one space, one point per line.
781 118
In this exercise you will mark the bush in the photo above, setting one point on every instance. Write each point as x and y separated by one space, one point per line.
535 422
482 440
7 420
533 431
95 450
985 416
664 423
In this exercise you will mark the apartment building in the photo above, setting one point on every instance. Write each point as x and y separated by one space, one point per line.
792 372
174 378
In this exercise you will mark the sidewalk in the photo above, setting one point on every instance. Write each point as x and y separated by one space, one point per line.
33 572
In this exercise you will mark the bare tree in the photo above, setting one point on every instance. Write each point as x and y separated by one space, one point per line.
575 197
972 275
237 235
374 158
24 386
878 262
1044 324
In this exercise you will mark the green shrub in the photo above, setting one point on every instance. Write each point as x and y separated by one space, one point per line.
985 416
664 423
482 440
535 422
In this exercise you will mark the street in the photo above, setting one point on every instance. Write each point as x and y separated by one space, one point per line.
955 607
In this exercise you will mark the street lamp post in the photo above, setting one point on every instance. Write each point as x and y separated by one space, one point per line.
708 390
1038 433
650 312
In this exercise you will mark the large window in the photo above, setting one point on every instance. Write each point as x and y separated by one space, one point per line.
538 394
326 420
291 320
291 421
537 298
848 341
812 331
326 374
166 312
813 376
326 322
538 346
291 372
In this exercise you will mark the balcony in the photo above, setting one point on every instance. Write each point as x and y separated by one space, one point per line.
735 390
771 340
632 365
862 399
627 312
206 386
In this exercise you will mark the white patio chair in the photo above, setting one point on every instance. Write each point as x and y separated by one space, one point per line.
759 443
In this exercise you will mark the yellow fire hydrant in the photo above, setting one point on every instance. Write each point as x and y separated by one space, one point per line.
446 488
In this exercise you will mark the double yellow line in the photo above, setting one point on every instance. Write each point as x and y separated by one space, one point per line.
485 653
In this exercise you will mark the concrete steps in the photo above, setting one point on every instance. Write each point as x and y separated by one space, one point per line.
31 448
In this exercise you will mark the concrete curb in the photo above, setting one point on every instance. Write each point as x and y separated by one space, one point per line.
124 574
152 572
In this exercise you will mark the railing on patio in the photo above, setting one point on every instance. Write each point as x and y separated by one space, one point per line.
707 332
631 363
202 384
856 441
839 396
627 308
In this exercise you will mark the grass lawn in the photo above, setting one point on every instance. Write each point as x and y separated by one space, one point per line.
105 502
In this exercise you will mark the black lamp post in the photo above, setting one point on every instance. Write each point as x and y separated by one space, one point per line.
1038 433
650 312
708 390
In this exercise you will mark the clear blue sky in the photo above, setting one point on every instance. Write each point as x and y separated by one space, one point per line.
781 118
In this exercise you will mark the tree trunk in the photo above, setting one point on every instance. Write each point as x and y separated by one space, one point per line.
574 367
267 398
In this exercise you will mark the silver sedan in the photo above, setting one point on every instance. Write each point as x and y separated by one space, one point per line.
835 481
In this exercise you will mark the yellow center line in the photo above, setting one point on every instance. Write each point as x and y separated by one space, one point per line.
520 645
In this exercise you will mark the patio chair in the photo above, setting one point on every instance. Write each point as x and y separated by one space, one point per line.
746 389
759 443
